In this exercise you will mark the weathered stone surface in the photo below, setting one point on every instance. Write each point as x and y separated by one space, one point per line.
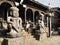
14 41
43 36
1 41
44 33
15 23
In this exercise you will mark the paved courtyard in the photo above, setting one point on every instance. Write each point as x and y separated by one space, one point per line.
28 39
53 40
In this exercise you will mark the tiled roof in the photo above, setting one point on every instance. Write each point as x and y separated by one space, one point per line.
36 4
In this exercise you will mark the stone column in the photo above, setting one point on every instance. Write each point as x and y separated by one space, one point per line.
47 26
25 14
47 21
43 20
42 17
50 26
33 17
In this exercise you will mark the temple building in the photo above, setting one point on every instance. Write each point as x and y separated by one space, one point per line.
29 10
55 19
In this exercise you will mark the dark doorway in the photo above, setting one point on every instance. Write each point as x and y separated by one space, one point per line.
36 16
29 15
3 10
21 12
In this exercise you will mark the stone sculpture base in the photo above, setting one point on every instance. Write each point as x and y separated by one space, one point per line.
13 41
1 41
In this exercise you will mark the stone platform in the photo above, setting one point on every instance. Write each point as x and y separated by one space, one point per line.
13 41
1 41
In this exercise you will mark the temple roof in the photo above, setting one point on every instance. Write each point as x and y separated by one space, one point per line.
56 9
36 4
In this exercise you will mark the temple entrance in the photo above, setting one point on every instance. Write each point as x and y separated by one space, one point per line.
56 22
4 7
29 15
36 16
21 12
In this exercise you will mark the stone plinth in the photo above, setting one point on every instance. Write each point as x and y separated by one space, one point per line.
1 41
44 33
14 41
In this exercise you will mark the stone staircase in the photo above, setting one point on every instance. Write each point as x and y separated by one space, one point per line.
28 36
26 39
29 39
43 35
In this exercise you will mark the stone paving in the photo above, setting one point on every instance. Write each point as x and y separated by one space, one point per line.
53 40
28 39
49 41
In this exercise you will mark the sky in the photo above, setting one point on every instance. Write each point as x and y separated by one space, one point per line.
51 3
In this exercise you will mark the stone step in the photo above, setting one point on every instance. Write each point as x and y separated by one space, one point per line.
14 41
28 36
55 33
1 40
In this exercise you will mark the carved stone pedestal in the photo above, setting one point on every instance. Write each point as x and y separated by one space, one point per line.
1 41
14 41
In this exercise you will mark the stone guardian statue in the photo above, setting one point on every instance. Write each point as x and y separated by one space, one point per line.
15 23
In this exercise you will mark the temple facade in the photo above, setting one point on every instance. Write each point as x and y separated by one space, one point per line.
28 10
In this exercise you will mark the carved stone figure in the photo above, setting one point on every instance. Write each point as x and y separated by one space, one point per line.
15 23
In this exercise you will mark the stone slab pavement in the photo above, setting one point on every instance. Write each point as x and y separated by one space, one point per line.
54 40
30 40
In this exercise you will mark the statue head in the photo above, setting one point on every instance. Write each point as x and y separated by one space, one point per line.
14 11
